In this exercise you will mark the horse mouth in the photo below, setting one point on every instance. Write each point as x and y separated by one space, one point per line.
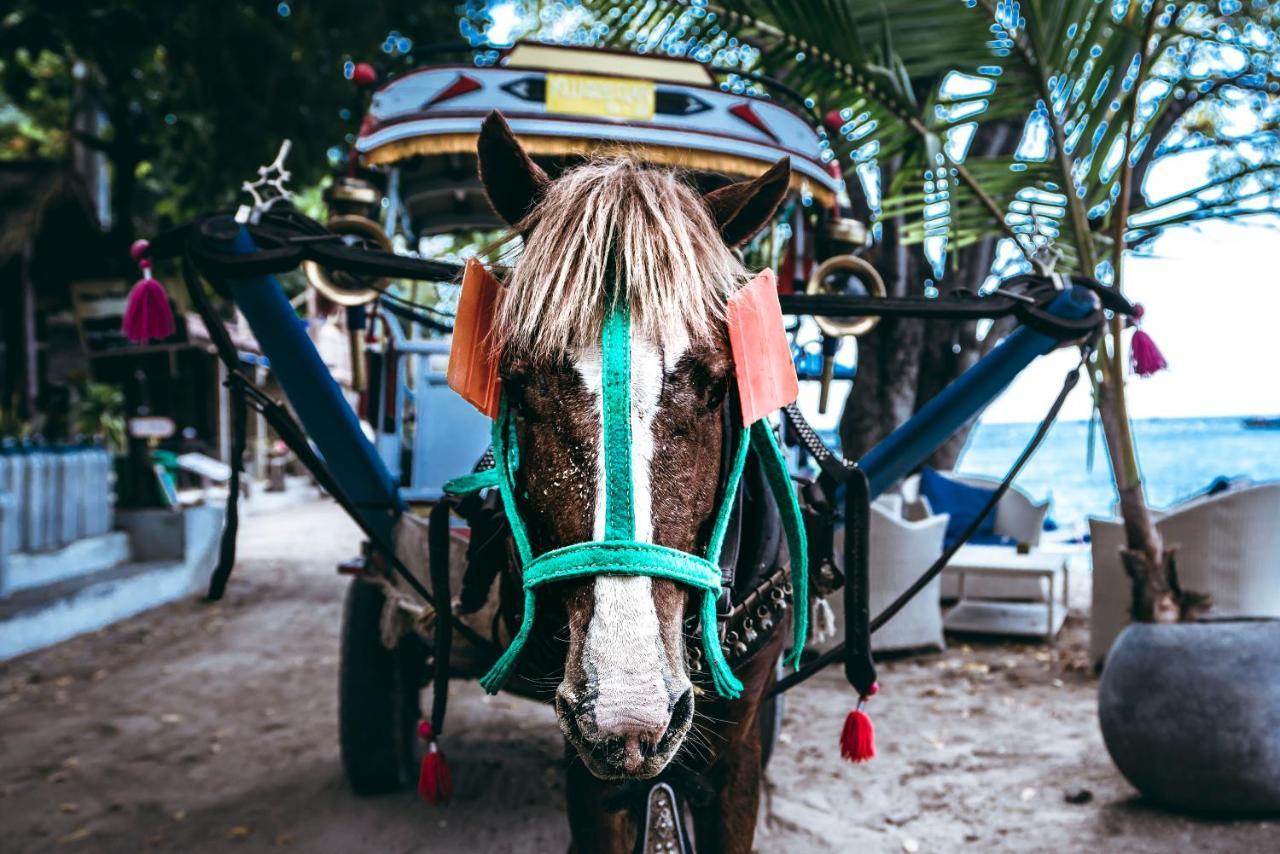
604 758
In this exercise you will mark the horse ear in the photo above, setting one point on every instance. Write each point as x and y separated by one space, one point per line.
742 209
512 181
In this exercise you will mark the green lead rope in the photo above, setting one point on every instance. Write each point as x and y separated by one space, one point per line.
619 553
775 471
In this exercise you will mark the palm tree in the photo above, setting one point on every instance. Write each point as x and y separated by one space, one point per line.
997 128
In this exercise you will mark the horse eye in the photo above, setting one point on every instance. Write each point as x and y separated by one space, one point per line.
715 392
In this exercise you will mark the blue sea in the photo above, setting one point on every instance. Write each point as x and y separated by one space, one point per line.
1179 457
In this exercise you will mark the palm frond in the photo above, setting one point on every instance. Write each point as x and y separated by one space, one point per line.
913 80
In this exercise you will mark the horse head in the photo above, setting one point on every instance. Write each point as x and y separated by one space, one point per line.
607 230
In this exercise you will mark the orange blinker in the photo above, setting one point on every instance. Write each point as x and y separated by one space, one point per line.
761 354
473 360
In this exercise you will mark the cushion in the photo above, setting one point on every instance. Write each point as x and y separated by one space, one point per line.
960 500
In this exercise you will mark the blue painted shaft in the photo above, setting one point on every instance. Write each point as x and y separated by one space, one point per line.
325 414
912 443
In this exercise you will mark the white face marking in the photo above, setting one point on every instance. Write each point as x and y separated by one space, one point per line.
623 648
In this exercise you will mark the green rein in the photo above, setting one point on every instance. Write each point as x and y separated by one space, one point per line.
620 553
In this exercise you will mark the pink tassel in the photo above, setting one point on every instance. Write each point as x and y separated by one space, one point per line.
148 315
435 783
1145 357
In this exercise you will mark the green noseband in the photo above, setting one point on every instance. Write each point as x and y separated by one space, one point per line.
620 553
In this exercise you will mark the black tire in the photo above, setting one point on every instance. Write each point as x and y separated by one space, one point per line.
769 719
378 697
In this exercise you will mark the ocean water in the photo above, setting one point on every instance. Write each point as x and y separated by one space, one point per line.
1179 457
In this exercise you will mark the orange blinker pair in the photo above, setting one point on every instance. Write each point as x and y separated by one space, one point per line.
766 374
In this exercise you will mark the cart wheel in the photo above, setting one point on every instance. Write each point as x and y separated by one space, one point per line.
378 697
769 718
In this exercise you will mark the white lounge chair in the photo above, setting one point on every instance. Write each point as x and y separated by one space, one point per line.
1228 546
1017 517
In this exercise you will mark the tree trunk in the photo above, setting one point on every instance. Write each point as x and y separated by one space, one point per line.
903 364
1157 595
884 388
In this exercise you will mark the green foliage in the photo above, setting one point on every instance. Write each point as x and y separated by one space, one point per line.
99 413
917 80
39 128
195 95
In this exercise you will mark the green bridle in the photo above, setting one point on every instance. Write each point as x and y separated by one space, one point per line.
619 553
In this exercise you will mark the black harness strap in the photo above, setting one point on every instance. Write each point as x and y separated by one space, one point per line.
438 557
859 668
231 523
832 466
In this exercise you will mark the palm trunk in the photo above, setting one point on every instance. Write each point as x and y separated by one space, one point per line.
1157 596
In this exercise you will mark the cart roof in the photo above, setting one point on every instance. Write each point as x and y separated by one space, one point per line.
565 101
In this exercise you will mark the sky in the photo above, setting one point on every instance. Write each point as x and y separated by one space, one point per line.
1212 300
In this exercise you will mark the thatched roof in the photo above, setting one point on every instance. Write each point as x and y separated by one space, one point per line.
40 194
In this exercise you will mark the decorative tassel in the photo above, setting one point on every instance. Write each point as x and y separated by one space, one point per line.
148 315
858 738
435 784
1145 357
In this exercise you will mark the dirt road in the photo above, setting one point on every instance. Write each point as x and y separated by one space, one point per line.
212 728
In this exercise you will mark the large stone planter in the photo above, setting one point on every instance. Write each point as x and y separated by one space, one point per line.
1191 714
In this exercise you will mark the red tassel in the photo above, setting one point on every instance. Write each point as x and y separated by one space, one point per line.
858 740
435 783
1145 357
148 315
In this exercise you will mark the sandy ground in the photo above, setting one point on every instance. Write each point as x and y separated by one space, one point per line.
210 728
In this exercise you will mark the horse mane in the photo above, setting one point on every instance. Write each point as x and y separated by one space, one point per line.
617 218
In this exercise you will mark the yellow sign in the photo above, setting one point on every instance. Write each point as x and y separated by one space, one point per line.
609 97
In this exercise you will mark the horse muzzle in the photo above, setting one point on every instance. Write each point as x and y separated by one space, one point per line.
622 746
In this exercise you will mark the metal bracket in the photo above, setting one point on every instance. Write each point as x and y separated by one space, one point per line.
269 190
664 830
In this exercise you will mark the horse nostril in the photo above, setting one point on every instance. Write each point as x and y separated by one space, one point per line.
681 711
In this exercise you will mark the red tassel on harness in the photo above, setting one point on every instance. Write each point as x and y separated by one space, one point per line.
435 784
1145 357
858 738
148 315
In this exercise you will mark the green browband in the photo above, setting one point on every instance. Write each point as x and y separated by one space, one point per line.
620 553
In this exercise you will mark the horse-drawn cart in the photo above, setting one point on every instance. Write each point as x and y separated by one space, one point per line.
449 581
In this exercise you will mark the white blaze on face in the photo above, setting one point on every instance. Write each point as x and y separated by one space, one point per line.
623 650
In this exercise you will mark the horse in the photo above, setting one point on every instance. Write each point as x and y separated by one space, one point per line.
609 229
